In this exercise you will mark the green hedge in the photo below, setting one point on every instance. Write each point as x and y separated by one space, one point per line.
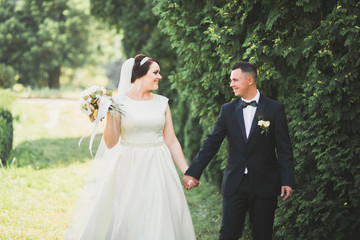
307 54
6 135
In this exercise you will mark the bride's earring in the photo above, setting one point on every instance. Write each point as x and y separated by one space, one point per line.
139 86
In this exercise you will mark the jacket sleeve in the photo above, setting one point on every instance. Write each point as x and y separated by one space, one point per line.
284 149
209 147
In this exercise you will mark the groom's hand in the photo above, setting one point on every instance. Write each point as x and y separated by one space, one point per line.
286 192
190 182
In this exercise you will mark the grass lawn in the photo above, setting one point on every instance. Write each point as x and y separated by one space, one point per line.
41 184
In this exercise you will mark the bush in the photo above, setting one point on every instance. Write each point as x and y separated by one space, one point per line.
6 134
7 76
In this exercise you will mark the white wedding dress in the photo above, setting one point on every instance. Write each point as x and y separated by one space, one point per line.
133 191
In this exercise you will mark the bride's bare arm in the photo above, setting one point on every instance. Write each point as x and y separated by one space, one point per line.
173 144
112 129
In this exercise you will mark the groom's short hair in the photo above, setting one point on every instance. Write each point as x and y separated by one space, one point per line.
245 67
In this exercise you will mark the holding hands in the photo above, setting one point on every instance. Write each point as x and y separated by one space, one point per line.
190 182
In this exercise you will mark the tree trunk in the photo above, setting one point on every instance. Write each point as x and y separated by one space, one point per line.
54 78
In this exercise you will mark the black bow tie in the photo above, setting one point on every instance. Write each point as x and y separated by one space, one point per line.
245 104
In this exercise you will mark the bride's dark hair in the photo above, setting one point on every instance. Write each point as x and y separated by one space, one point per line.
140 71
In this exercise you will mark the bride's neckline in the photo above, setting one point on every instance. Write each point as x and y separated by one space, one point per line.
145 100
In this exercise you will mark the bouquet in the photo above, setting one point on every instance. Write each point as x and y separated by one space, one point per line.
96 102
89 103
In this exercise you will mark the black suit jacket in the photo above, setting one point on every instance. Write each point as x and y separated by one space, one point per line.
268 157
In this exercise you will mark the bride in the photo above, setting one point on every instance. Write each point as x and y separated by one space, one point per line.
133 191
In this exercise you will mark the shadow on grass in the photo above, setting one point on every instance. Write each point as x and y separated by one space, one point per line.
48 153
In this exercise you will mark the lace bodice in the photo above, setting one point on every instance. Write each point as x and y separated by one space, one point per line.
143 121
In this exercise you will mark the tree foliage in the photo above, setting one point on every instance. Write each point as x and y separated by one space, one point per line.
37 37
138 25
7 76
133 18
307 57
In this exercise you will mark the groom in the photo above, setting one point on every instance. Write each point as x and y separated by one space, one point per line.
260 163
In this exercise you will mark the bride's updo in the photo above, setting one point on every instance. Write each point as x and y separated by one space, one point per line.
140 70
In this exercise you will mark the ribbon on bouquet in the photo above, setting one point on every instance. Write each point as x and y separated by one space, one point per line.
104 106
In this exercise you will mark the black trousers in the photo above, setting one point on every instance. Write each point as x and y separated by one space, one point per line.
235 207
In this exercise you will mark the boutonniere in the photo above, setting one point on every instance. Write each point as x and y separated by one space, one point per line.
264 125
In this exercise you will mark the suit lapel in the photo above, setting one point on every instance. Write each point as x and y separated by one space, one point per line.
240 119
260 109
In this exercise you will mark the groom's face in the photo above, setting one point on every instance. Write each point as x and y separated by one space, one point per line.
239 82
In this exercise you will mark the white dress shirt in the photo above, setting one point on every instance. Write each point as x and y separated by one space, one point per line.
249 113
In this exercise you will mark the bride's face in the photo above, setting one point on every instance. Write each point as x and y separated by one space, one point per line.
152 77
